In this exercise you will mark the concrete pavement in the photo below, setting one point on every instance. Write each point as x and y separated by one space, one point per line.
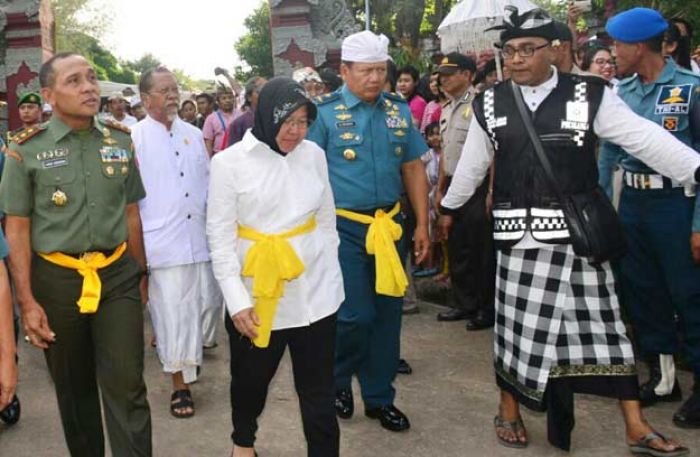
451 399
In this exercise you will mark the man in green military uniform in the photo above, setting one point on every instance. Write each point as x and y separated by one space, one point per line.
70 191
29 106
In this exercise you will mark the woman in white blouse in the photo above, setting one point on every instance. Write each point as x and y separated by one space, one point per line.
274 248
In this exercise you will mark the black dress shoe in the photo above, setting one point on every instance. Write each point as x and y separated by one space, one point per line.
454 314
688 416
404 367
647 394
480 322
10 415
344 404
390 417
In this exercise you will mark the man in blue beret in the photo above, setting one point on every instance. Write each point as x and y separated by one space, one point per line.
661 217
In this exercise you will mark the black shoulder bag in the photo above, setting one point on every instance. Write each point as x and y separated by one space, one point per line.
594 227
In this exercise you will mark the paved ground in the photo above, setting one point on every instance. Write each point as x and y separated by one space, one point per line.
451 399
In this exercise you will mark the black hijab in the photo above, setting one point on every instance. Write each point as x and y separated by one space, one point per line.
278 99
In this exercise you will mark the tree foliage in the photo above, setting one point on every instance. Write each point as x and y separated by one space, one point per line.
686 9
74 31
255 47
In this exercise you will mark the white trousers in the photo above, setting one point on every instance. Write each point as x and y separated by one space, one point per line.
176 297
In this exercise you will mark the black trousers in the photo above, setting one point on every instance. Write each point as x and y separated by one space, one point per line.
472 256
97 355
312 350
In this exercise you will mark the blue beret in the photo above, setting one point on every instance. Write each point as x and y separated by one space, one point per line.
635 25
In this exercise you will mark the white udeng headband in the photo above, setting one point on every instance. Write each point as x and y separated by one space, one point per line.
365 47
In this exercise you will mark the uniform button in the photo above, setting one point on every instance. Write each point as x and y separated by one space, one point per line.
87 173
182 174
187 194
177 153
92 204
189 216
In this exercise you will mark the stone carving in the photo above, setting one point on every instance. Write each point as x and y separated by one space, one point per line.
308 33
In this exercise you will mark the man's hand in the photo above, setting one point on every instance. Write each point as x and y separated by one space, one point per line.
421 244
143 289
36 325
438 198
246 322
444 226
695 246
8 379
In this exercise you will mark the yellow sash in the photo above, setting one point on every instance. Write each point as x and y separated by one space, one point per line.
382 233
87 266
270 261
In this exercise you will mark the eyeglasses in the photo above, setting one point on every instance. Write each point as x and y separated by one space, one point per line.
525 51
300 124
601 62
167 90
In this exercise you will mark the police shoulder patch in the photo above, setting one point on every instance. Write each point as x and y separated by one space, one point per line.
117 126
27 134
327 98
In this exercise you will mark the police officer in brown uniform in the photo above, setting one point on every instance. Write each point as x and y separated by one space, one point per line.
470 246
70 190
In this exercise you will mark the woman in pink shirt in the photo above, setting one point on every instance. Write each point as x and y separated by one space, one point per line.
407 85
434 108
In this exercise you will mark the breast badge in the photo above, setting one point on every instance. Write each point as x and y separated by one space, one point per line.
349 154
59 198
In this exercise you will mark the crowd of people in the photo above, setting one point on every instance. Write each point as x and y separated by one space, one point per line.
549 187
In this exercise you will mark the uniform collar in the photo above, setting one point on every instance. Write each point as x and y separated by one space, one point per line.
351 100
173 128
60 129
666 76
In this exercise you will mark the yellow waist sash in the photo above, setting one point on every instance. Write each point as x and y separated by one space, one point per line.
270 261
382 233
87 266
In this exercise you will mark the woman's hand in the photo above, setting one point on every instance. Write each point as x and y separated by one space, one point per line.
246 322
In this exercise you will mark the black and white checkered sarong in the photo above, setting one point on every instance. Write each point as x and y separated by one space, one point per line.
556 315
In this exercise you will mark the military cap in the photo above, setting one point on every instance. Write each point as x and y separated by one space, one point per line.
635 25
30 97
454 62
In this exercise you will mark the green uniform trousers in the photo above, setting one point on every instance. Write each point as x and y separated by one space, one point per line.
102 350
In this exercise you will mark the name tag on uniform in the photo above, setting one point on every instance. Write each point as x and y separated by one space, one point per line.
113 154
54 163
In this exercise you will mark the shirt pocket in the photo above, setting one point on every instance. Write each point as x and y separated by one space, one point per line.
398 143
57 189
346 144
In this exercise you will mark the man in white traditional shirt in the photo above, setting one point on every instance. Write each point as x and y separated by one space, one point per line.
174 166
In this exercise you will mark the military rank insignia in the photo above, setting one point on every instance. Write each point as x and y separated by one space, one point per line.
59 198
673 99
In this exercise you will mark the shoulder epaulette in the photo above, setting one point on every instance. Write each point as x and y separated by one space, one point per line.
117 126
327 98
26 134
395 97
687 72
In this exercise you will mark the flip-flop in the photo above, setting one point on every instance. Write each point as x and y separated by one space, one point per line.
180 400
515 426
10 415
642 447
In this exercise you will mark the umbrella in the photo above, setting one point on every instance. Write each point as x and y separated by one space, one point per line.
462 30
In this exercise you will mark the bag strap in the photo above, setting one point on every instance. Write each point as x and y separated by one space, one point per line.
535 139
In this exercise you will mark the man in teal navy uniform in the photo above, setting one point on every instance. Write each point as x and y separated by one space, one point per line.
661 272
373 151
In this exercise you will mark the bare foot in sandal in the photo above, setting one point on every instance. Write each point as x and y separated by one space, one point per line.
642 439
510 430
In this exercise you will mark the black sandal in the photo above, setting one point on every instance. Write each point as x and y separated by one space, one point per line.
181 399
514 427
10 415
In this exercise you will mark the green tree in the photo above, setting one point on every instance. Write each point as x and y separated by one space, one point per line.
145 62
686 9
78 23
255 47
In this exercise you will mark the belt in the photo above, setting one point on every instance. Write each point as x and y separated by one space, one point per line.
270 261
649 181
382 233
87 265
